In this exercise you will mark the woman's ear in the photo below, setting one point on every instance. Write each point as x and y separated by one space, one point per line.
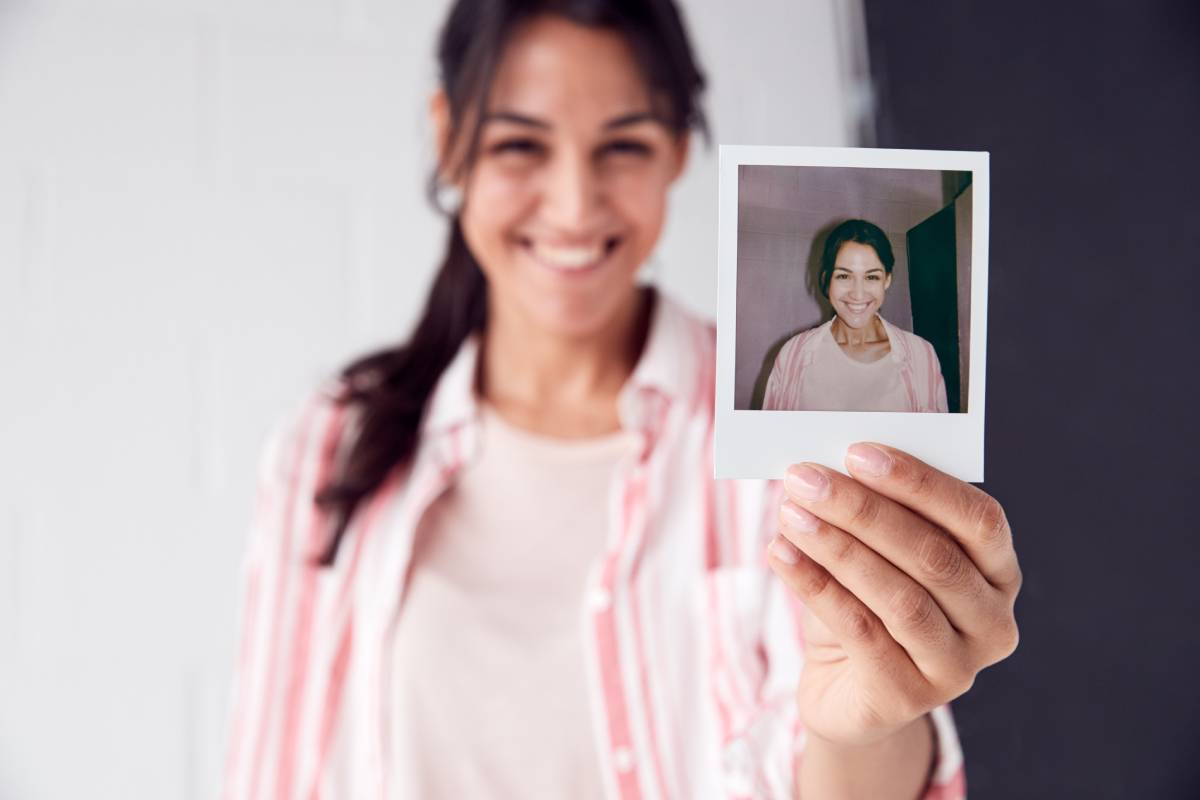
439 118
887 282
683 144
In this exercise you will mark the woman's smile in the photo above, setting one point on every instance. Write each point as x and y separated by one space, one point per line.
571 259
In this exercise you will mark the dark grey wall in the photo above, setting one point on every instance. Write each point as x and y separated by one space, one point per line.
1092 114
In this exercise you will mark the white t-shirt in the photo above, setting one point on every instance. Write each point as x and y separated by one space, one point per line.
488 690
837 382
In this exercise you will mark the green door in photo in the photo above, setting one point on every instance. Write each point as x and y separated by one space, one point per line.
933 290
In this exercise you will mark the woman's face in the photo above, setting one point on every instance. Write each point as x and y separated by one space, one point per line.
566 196
857 284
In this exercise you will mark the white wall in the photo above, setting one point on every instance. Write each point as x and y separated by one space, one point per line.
205 206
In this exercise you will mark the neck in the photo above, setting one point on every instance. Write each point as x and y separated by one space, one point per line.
867 334
561 385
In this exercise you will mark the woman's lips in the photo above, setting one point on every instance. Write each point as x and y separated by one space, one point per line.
856 308
571 259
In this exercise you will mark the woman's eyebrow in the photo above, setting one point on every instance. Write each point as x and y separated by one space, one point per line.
868 272
622 121
514 117
631 119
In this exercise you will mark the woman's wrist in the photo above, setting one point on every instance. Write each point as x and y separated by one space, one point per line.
897 766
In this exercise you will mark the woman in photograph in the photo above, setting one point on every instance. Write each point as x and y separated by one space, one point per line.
857 361
493 562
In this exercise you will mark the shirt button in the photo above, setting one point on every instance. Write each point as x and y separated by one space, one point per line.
623 759
601 599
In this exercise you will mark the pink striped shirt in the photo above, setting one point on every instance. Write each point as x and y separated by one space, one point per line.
694 647
798 361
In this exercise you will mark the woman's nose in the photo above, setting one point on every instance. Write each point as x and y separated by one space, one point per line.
572 193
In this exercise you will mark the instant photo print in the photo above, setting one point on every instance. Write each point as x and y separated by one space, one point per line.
852 306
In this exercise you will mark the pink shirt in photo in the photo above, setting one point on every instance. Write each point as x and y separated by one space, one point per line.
813 373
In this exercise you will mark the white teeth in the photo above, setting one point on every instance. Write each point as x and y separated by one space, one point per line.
570 258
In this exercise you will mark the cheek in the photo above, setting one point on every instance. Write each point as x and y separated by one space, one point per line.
495 204
497 197
639 198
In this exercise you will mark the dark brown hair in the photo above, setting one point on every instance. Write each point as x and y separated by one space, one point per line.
389 390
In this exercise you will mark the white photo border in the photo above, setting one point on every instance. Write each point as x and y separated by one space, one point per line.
762 444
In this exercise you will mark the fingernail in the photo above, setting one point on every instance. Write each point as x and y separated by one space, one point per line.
805 482
784 550
797 518
868 460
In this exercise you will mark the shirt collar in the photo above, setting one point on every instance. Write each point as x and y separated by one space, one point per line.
668 368
900 348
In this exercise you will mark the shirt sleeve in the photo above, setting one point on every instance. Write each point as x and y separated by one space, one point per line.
784 376
938 400
772 396
271 567
773 743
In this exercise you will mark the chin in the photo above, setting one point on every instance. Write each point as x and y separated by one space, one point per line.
577 317
860 319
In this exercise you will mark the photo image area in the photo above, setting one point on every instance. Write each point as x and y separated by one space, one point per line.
786 214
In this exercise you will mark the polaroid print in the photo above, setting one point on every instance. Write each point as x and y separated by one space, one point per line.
852 306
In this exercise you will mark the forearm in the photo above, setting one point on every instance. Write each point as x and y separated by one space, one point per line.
897 767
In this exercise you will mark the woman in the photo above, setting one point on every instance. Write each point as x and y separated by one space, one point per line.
857 361
519 578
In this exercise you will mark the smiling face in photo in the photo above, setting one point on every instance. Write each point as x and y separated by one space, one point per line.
858 284
567 195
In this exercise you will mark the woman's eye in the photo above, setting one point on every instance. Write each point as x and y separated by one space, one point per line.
626 146
872 277
841 276
518 146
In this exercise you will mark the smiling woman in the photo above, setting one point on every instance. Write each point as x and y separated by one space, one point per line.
856 361
494 562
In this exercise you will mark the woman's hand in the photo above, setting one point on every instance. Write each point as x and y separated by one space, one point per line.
909 578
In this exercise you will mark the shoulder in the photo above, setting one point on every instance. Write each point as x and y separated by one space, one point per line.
688 327
300 449
922 347
800 344
681 353
915 348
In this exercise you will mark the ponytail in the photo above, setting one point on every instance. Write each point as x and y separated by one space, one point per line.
390 389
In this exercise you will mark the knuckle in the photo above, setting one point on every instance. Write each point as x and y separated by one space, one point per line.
920 699
842 548
814 582
941 561
956 678
866 510
922 483
913 607
1008 636
961 683
1013 587
990 522
857 625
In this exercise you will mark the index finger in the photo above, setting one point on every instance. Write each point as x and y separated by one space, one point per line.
970 515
